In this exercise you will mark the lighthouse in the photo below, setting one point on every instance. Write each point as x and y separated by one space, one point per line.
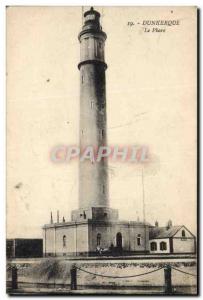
93 176
94 224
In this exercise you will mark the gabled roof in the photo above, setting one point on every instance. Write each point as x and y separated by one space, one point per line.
163 232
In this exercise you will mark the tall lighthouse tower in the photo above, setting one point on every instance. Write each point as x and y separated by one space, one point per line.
94 225
93 175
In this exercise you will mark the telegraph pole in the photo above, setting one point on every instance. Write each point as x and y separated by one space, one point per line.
143 204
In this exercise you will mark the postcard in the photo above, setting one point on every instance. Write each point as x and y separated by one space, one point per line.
102 150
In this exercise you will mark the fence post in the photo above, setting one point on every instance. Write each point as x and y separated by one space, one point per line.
73 274
167 278
14 274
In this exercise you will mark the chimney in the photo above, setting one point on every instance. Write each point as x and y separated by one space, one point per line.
64 220
156 223
57 216
169 224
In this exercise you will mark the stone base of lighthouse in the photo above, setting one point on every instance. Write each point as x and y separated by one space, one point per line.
92 230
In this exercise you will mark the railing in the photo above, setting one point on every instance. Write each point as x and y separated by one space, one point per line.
168 289
167 276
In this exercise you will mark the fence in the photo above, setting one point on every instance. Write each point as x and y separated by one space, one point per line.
168 288
167 276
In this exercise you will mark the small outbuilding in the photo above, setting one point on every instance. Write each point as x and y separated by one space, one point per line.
171 239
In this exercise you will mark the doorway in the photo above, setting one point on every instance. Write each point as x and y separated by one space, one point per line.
119 240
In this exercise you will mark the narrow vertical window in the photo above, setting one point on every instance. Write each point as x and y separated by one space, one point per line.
103 189
92 104
95 48
99 49
102 133
85 52
139 239
64 241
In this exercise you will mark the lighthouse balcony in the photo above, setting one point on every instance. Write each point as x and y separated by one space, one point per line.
95 213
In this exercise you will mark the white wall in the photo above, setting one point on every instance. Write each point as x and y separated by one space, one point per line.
76 236
181 245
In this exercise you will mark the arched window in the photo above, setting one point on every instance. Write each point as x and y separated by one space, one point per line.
139 239
153 246
163 246
98 239
183 233
64 241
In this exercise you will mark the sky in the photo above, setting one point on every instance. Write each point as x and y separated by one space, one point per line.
151 100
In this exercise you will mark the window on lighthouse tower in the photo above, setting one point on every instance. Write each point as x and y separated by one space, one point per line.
102 133
95 48
82 77
100 45
98 49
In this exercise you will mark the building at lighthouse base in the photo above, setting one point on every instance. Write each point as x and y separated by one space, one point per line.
98 231
93 232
